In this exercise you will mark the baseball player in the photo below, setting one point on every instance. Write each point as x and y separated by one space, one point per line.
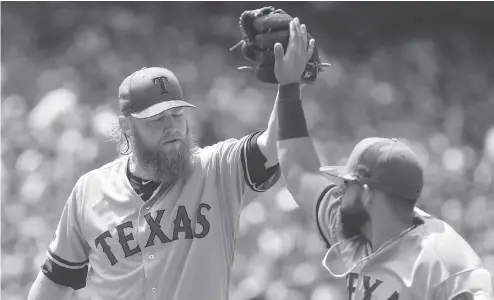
161 222
378 240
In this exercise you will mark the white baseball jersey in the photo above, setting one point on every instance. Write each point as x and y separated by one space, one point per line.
430 261
179 244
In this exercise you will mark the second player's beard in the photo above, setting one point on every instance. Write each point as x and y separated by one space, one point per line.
162 165
352 221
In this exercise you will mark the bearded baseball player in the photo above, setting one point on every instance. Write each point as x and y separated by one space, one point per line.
161 222
378 240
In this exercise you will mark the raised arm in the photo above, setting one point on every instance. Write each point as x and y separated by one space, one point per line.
298 159
267 140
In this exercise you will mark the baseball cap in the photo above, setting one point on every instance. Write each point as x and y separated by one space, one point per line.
384 164
150 91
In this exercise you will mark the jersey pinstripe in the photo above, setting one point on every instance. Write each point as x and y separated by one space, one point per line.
177 245
429 261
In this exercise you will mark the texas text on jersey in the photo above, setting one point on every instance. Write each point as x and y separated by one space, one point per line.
183 236
428 261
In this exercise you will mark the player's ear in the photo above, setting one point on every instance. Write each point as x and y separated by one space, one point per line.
125 125
368 194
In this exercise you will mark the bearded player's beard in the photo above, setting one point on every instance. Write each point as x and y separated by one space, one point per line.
164 165
352 221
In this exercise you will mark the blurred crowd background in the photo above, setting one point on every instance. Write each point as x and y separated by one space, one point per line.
422 72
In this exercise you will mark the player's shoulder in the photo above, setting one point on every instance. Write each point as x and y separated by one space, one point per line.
223 145
220 149
101 175
446 245
328 198
332 191
111 166
114 166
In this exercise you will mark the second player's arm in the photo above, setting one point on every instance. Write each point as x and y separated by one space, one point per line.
296 153
267 140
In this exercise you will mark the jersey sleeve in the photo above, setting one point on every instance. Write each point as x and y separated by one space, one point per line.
242 172
327 215
473 284
256 176
67 255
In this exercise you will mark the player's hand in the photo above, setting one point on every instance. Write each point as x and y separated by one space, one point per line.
289 66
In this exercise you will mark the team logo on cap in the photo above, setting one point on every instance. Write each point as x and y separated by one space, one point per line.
161 80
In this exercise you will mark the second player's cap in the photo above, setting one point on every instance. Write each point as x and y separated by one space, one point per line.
384 164
150 91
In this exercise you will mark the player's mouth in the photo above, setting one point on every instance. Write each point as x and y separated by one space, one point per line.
171 141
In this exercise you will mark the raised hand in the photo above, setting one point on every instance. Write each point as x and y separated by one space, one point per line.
290 66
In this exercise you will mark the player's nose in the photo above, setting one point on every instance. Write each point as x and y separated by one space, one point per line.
169 124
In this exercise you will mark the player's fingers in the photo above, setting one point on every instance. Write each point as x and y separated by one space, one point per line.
296 22
278 54
312 44
293 35
303 30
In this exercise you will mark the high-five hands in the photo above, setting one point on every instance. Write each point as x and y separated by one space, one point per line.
261 30
290 66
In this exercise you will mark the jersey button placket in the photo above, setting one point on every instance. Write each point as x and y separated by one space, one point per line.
143 235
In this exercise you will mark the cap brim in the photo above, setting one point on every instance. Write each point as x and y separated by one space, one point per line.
337 174
159 108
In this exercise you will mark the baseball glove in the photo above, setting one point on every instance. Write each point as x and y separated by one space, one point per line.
261 29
